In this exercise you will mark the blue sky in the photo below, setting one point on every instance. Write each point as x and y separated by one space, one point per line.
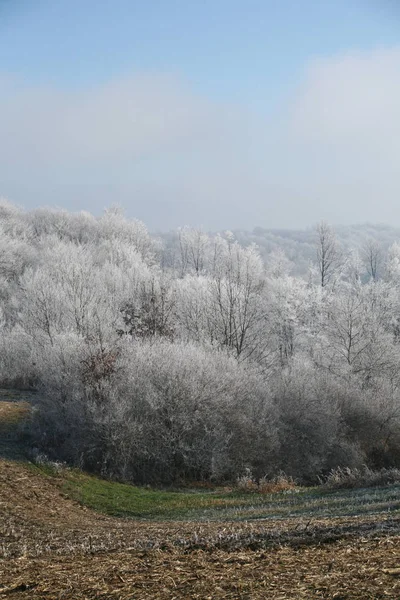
225 48
216 112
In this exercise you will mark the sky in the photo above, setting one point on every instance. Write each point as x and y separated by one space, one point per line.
221 114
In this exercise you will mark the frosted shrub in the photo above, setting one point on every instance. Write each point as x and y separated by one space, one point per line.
312 439
154 411
17 359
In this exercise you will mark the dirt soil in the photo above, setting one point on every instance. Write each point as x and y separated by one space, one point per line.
53 548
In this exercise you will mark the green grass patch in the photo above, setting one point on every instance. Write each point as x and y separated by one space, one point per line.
126 500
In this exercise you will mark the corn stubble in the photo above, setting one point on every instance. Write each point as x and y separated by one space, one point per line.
52 547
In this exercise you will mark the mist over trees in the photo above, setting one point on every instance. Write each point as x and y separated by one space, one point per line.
201 356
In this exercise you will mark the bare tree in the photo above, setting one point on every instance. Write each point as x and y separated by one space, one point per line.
236 292
329 255
194 246
372 257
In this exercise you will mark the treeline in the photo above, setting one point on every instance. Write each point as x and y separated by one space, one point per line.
299 245
194 358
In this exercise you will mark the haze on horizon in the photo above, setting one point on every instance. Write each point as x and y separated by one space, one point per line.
221 114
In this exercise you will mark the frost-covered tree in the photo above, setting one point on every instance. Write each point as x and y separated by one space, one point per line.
236 287
286 318
201 359
372 256
113 226
329 254
195 248
155 412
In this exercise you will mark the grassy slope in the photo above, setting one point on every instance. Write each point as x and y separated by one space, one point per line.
129 501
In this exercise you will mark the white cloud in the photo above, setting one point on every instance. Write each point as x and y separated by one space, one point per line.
351 99
332 152
123 120
344 126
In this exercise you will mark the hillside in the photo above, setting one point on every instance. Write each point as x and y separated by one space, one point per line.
310 545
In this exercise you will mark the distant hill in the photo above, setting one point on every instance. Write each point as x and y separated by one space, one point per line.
299 244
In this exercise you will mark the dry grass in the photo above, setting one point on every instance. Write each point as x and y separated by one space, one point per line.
12 412
358 571
346 478
280 483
